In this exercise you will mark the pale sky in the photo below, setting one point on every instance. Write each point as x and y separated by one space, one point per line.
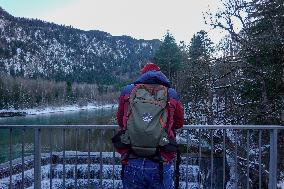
141 19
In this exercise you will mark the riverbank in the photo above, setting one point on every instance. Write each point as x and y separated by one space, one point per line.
47 110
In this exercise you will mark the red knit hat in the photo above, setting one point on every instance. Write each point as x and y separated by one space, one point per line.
149 67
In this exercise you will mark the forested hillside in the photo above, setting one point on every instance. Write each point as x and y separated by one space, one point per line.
36 50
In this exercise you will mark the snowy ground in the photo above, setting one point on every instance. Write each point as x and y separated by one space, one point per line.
281 185
46 110
110 173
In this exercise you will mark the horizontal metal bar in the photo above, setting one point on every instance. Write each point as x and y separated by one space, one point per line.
105 127
238 127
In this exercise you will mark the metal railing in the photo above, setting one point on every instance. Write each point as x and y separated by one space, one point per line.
273 141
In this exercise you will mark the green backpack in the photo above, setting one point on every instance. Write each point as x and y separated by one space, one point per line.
147 117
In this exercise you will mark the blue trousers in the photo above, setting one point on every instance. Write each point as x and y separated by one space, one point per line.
144 174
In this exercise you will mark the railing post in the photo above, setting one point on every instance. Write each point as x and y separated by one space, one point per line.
37 158
273 159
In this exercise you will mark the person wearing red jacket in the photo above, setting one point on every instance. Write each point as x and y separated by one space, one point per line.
150 74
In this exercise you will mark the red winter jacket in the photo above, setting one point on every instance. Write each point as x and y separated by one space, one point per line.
175 109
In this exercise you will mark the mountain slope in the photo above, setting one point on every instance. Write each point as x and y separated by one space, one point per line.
34 48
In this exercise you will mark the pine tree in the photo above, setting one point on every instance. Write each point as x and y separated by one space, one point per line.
168 57
201 47
199 77
267 34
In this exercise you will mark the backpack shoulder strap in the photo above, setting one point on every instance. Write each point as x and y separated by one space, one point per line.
127 94
167 111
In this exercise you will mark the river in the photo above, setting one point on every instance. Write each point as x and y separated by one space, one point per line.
80 117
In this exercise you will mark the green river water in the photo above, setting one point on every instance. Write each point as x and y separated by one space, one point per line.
80 117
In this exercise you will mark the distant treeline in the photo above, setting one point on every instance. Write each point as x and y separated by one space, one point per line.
18 93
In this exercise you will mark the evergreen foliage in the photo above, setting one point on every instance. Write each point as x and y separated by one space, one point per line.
197 87
201 47
168 57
